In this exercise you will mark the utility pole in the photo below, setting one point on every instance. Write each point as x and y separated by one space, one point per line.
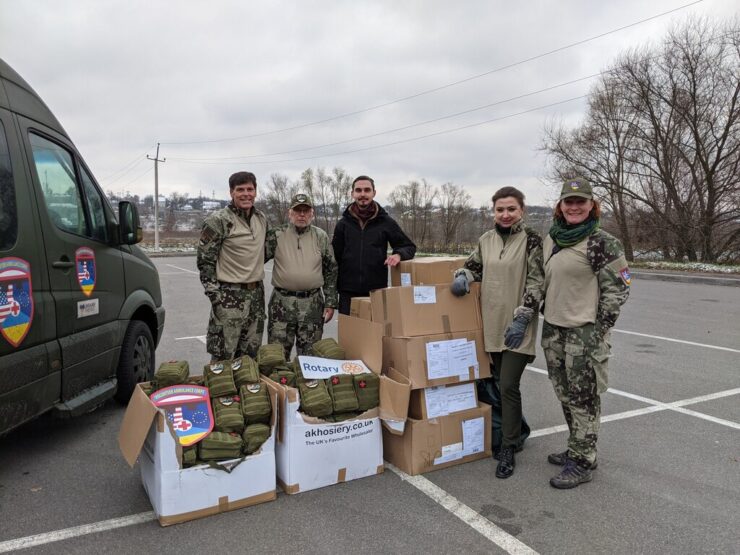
156 196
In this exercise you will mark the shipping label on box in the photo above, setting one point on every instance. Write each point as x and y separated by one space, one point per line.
438 359
442 400
425 310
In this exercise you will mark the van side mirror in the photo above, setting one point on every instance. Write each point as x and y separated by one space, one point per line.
129 227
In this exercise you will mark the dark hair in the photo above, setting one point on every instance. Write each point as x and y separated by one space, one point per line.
240 178
595 211
504 192
363 178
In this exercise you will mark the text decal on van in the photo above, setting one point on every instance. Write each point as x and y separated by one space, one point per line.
85 264
16 299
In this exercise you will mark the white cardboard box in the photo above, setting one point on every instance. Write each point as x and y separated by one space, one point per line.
311 453
177 494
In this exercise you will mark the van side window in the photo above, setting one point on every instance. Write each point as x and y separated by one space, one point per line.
95 207
8 213
56 174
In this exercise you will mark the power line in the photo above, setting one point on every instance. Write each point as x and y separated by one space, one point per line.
402 141
439 88
132 164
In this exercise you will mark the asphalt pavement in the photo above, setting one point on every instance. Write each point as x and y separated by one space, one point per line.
668 479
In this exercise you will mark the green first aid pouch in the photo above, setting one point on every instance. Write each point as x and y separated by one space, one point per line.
219 379
342 417
269 356
328 348
342 391
315 398
245 370
255 401
253 437
189 456
218 446
296 367
227 413
169 373
367 390
284 376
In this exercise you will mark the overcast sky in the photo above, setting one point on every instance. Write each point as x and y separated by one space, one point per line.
124 75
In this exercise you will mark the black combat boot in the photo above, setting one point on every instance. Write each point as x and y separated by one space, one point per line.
506 463
572 475
497 452
560 458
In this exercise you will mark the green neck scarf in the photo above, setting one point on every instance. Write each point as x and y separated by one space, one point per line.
566 235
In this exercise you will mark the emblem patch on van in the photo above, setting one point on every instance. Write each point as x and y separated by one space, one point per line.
16 299
85 264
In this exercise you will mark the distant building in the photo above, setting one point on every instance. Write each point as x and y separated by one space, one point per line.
211 205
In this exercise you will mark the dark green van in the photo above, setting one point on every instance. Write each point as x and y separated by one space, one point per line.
80 304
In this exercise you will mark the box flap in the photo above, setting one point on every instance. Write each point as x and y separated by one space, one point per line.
135 426
362 339
395 390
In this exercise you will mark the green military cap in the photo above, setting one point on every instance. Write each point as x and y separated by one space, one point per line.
301 199
576 187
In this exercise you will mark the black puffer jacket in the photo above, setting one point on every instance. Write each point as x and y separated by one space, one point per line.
361 253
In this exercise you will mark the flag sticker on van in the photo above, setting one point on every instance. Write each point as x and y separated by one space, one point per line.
16 299
85 263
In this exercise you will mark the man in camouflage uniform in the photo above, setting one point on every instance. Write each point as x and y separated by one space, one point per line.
587 280
231 264
304 265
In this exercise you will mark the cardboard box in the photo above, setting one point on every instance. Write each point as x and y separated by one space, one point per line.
312 453
428 270
437 443
177 494
409 356
425 310
360 308
432 402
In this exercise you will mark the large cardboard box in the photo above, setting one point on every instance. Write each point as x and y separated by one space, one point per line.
425 310
360 308
455 358
426 271
312 453
177 494
437 443
442 400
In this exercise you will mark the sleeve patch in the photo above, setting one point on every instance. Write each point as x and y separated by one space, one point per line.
624 273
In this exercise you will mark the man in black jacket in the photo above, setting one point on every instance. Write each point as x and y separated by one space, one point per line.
360 244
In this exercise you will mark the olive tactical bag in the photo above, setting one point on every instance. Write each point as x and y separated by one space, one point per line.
169 373
219 379
367 389
227 413
218 446
245 370
315 398
255 402
283 375
328 348
253 437
269 356
189 456
342 417
342 390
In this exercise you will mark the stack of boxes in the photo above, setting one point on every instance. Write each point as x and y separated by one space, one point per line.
436 340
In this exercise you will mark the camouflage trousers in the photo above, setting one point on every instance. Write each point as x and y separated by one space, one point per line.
577 366
295 320
237 323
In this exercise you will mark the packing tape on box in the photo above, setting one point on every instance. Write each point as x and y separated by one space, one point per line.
341 475
446 323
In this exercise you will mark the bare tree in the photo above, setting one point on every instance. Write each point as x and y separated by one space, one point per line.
277 198
413 205
454 203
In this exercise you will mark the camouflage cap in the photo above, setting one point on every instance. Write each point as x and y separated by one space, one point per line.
301 199
576 187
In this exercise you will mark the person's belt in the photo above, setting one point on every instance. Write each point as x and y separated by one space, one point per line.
299 294
250 285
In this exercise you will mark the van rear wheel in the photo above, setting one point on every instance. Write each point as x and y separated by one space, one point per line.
136 363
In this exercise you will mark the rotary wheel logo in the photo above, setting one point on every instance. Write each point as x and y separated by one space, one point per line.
352 368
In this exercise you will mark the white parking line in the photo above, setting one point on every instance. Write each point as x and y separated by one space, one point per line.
201 338
183 269
706 346
74 532
479 523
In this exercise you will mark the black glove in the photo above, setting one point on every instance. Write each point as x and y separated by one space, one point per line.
514 334
460 285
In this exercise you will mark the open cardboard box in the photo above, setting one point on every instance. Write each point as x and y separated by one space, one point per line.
180 494
440 442
312 453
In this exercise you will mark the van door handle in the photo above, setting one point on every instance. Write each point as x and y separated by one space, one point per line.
63 264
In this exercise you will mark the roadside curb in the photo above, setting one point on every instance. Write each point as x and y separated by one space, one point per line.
686 278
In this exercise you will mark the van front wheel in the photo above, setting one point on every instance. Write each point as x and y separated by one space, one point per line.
136 364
